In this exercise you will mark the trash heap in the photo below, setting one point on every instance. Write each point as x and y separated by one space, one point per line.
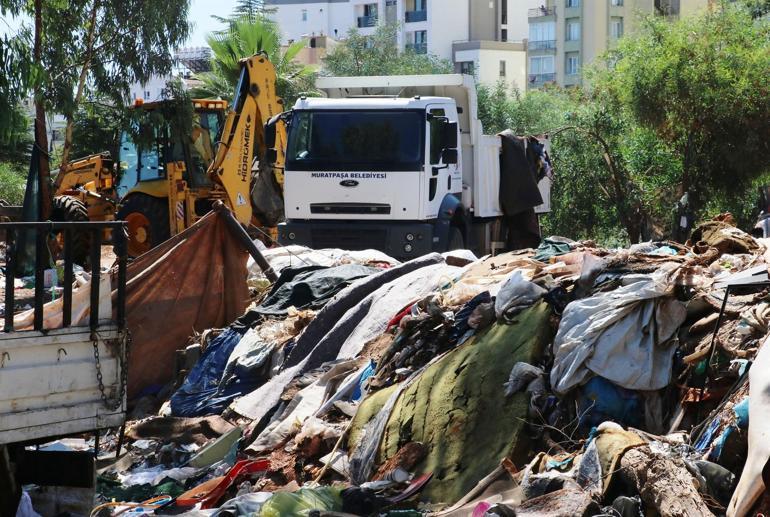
566 380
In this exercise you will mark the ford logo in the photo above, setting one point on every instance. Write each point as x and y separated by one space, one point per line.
349 183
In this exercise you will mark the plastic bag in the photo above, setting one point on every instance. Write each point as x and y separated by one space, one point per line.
517 292
302 502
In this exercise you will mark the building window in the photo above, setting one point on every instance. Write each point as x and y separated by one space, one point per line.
419 43
573 29
502 68
573 3
542 35
616 3
616 27
504 35
147 94
504 12
467 67
541 65
304 15
572 65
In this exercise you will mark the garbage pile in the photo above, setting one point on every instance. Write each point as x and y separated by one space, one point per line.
565 380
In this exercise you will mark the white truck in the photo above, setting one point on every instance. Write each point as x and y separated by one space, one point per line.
396 163
62 367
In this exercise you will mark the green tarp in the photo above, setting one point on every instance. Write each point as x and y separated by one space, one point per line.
458 408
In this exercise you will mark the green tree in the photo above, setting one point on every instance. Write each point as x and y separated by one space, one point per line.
102 46
612 176
96 127
244 38
378 54
701 85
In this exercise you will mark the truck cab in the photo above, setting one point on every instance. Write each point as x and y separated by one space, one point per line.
396 163
372 172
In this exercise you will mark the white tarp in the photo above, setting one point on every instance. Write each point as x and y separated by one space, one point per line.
751 486
627 336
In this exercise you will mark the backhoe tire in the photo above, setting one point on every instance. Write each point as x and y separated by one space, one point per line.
456 240
70 209
147 222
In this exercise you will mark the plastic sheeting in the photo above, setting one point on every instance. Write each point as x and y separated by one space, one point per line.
310 287
201 393
322 337
389 299
627 336
298 256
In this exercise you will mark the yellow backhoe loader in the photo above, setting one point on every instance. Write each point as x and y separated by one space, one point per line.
168 187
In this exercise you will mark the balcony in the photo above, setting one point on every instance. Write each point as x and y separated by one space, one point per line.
542 45
541 11
366 21
417 48
416 16
541 79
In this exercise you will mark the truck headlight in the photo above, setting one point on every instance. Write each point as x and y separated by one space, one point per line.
292 236
410 237
408 248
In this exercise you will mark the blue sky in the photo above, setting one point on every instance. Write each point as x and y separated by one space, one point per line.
200 16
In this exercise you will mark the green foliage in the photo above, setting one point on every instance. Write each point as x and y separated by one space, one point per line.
701 84
171 117
132 40
96 128
15 77
244 38
13 180
16 145
379 55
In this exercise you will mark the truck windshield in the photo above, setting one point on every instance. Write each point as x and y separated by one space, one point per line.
372 140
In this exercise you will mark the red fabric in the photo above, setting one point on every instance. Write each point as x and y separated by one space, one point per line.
194 281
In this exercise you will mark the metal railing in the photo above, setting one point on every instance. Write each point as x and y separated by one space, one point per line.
415 16
542 45
541 11
367 21
41 231
417 48
541 78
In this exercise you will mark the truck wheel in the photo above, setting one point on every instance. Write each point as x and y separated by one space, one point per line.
71 209
456 241
147 222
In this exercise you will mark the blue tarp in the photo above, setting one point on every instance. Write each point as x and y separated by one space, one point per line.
201 394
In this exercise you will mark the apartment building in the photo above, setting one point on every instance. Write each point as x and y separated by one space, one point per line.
485 38
566 34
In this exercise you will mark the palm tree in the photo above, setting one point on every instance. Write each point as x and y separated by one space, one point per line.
243 38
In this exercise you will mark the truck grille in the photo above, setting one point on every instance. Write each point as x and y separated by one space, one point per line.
355 239
350 208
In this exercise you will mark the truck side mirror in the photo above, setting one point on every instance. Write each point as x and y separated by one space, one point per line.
450 135
449 156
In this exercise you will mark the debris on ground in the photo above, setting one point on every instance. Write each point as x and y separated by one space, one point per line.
565 380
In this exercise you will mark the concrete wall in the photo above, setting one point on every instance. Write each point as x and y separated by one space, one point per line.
447 22
322 18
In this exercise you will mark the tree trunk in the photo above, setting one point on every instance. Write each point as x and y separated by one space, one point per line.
80 89
665 484
41 136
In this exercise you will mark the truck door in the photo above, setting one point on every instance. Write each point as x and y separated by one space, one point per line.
443 176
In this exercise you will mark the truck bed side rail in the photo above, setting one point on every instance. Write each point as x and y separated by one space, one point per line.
68 229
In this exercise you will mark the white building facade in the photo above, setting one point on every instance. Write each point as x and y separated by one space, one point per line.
486 38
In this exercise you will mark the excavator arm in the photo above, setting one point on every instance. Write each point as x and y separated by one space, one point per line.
243 135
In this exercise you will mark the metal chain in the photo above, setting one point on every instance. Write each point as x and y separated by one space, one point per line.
125 341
